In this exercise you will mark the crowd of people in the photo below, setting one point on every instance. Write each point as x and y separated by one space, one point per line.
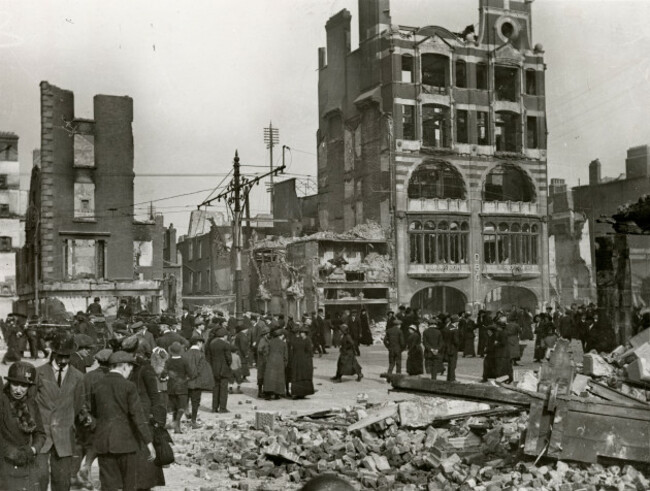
433 342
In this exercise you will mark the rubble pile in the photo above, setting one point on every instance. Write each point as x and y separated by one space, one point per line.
365 231
391 446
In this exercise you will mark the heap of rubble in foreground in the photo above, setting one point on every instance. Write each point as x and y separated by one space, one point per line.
468 453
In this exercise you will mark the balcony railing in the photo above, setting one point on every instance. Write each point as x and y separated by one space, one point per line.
436 204
509 207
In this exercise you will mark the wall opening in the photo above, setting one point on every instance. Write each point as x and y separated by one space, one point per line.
435 126
507 182
436 180
435 74
507 131
505 83
436 299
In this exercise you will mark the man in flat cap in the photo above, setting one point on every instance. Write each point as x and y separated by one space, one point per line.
219 356
121 425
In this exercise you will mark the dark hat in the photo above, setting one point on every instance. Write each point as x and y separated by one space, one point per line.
303 328
163 327
414 327
64 344
121 357
130 344
344 327
454 318
80 314
277 332
397 322
198 321
83 341
102 356
175 348
222 332
22 372
264 331
137 325
196 338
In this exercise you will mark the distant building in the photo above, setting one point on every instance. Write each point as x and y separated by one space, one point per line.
172 272
11 219
294 215
599 200
441 138
82 238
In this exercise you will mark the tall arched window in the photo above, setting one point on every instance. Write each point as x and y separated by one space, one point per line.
507 182
436 180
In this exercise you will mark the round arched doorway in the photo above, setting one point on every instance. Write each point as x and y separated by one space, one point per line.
504 297
436 299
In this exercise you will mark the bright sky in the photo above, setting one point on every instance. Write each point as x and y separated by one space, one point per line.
206 76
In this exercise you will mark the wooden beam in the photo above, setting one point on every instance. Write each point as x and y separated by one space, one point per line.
615 395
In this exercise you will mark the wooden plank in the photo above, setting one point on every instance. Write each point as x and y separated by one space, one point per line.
537 427
376 416
615 395
609 409
458 390
559 428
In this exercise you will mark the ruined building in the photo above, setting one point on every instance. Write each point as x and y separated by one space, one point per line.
440 136
82 237
11 216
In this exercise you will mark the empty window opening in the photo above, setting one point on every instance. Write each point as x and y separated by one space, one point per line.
435 72
482 128
435 126
508 182
531 82
3 181
335 127
461 74
408 122
4 209
84 259
531 132
407 69
481 76
5 244
436 180
505 83
462 133
507 131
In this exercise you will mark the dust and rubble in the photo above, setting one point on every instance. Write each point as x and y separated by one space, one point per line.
389 446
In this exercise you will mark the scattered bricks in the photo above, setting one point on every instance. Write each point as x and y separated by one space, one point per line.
294 477
565 487
381 463
264 419
359 446
251 474
641 482
369 463
368 479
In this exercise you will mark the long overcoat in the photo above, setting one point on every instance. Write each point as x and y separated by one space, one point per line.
415 354
497 355
276 363
347 362
302 368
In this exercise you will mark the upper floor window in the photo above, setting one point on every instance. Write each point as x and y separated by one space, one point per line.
510 243
335 127
481 76
4 209
84 200
3 181
461 74
532 140
436 180
507 182
435 72
83 259
407 68
482 132
505 83
190 249
440 241
531 82
435 126
408 122
462 133
506 131
5 244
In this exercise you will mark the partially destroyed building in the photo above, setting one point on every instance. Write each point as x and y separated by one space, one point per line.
82 236
441 137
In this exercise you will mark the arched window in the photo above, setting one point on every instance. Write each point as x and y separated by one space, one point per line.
436 180
438 242
507 182
435 126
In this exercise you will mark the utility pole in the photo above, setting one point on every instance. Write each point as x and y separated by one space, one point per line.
271 138
236 193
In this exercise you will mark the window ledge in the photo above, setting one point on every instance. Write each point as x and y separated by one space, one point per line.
512 271
84 220
439 271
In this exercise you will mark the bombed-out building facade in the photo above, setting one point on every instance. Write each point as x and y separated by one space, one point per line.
440 137
82 238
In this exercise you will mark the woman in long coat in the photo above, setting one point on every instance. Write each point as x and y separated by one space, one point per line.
364 324
347 363
415 355
302 365
21 430
262 355
242 342
145 379
276 363
513 331
497 354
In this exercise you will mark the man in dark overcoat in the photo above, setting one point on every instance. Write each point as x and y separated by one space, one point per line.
433 348
60 399
395 344
219 356
121 425
451 339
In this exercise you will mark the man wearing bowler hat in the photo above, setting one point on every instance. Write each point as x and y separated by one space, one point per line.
219 356
59 395
121 425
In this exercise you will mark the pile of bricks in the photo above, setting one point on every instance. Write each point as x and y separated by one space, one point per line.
479 453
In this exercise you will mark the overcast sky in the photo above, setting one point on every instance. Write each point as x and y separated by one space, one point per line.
206 76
